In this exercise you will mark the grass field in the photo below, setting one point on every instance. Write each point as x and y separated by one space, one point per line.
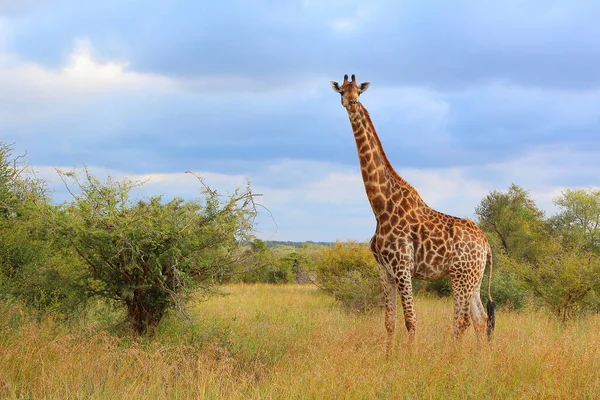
265 341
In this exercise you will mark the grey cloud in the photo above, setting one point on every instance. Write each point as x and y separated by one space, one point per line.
434 44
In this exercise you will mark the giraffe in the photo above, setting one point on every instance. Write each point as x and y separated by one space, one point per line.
413 240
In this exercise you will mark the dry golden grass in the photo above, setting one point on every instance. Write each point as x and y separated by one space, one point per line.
293 342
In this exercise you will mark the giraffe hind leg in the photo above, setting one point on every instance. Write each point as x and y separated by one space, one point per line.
461 317
478 316
462 295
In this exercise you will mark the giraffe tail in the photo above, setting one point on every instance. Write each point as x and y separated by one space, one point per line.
491 307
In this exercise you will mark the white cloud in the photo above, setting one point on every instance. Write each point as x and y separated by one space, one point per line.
326 201
184 185
334 204
30 92
448 190
84 74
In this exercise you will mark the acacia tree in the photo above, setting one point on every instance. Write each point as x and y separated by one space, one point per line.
148 254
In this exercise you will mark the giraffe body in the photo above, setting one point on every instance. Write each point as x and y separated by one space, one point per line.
413 240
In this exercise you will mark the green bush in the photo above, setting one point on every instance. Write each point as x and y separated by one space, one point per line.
348 271
508 288
277 265
440 287
567 283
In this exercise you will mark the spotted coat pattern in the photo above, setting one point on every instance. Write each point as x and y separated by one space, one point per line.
413 240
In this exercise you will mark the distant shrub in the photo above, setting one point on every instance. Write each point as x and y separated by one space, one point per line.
348 271
440 287
260 264
277 265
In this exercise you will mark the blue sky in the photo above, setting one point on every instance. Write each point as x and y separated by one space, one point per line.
467 97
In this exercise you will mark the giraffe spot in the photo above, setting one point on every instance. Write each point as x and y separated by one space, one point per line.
360 141
429 258
364 148
390 207
411 218
365 175
378 202
436 241
385 228
407 204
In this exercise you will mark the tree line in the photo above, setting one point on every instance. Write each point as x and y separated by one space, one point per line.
147 256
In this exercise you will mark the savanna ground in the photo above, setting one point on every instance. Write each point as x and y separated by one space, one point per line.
262 341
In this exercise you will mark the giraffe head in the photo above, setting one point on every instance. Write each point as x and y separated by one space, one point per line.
350 91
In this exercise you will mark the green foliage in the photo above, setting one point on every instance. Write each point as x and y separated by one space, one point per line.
440 287
578 222
515 220
30 270
147 255
349 272
259 265
554 260
567 283
508 288
277 265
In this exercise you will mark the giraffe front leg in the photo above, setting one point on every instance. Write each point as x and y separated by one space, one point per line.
389 292
405 287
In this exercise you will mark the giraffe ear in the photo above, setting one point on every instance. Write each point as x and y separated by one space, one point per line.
336 86
363 87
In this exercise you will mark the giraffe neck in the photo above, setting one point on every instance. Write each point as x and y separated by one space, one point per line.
385 188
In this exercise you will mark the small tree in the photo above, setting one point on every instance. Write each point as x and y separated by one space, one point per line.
148 254
515 219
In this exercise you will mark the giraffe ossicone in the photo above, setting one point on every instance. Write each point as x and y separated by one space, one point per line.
411 239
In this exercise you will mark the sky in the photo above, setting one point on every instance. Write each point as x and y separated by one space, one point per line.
466 96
